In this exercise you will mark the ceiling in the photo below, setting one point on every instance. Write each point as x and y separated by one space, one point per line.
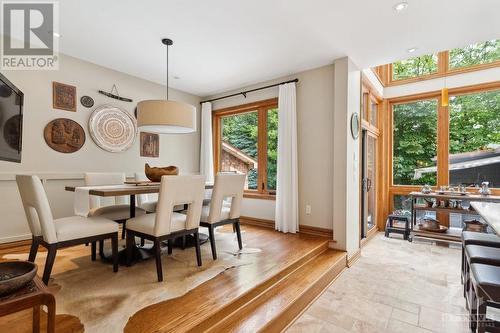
225 44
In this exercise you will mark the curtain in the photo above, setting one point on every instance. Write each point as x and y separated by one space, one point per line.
287 209
206 149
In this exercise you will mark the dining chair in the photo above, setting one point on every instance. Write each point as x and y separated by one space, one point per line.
221 211
149 201
113 208
54 234
166 224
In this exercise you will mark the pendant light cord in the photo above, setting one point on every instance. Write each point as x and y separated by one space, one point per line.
167 72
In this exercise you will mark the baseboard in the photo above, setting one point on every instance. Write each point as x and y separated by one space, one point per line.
303 229
316 231
12 241
353 258
370 235
257 222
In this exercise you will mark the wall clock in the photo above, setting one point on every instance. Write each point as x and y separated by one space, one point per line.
355 125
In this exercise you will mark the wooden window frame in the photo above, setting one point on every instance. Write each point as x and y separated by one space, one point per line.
261 107
389 189
385 72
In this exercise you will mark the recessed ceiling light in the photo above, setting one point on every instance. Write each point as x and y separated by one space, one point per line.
176 77
411 50
400 6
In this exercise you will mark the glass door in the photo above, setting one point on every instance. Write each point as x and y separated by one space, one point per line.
369 181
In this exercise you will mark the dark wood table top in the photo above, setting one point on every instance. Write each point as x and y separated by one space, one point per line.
119 190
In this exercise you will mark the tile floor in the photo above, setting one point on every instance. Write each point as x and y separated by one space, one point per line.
396 286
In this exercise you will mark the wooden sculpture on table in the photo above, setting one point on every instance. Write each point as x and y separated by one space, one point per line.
154 174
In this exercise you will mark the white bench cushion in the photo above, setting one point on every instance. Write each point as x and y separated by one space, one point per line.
146 223
116 212
74 227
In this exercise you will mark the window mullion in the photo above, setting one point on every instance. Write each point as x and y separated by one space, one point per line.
262 151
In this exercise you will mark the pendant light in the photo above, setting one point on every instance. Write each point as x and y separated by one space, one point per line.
166 116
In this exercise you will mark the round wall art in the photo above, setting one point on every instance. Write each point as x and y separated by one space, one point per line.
64 135
112 128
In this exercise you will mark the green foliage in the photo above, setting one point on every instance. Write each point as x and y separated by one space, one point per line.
272 148
242 132
474 124
475 54
415 130
414 67
474 121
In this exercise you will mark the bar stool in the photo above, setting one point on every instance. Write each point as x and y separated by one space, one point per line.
477 238
485 292
476 254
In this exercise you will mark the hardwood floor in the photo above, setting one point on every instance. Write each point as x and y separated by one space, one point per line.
286 260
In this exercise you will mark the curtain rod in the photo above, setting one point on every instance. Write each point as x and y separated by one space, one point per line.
244 93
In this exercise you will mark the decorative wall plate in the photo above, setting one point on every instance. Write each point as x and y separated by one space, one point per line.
112 129
64 135
87 101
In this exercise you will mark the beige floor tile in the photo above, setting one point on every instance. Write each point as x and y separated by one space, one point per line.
306 324
442 322
404 316
387 288
396 326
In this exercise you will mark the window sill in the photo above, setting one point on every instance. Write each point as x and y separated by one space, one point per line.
263 196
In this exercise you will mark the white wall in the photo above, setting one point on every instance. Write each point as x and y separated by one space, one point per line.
347 89
315 135
38 158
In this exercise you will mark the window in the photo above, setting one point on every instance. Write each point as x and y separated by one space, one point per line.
430 66
415 67
474 149
475 54
414 142
246 140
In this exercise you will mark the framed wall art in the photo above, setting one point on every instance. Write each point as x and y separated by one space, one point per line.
63 97
150 144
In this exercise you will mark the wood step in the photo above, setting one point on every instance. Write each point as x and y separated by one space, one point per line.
272 306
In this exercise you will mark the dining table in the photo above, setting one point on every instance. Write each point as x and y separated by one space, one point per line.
143 251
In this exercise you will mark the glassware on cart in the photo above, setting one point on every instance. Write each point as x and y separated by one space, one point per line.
484 189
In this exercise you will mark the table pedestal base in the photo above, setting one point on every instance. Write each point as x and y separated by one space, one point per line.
145 252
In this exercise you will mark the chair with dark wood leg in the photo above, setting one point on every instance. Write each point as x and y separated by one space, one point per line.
113 208
227 185
54 234
165 224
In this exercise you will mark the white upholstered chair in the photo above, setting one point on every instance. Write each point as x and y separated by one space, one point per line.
113 208
166 224
59 233
220 212
146 201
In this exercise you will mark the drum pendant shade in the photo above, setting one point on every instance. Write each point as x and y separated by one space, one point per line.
164 116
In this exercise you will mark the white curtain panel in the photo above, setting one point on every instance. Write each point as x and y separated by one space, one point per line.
206 149
287 195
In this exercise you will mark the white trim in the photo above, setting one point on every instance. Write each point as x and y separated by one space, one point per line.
11 239
11 176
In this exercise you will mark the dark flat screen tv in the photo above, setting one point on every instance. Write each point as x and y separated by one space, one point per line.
11 121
